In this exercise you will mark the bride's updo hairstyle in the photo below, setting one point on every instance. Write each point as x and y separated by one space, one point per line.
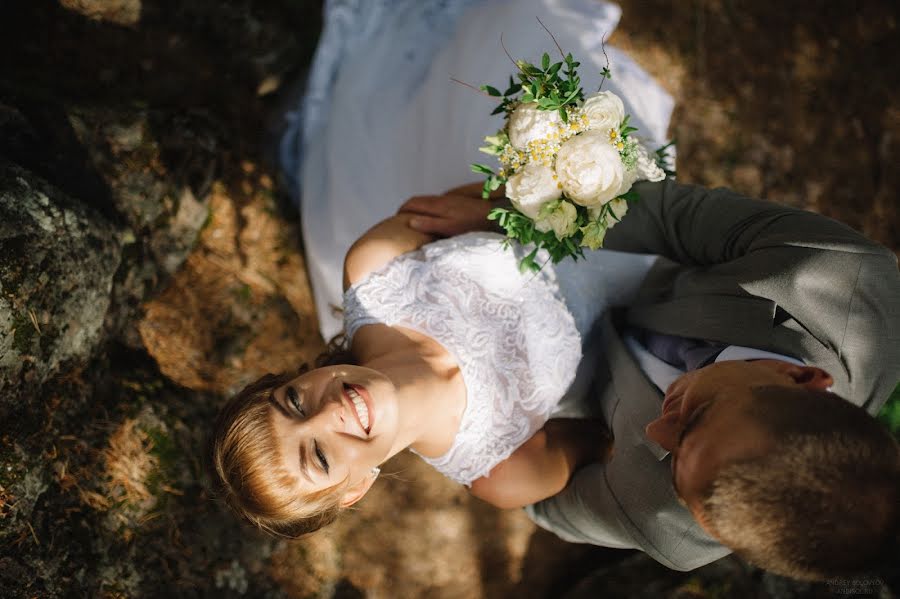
246 465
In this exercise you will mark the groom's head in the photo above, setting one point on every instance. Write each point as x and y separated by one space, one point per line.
788 475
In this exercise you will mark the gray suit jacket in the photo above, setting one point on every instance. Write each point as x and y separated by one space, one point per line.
738 271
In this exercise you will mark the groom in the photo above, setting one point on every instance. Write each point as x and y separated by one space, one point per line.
739 388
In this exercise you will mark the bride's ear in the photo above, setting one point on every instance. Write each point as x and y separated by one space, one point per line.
357 491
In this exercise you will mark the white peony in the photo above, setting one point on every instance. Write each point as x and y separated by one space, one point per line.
531 188
590 169
605 111
528 123
560 218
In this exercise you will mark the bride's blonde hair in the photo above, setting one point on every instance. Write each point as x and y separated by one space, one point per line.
247 467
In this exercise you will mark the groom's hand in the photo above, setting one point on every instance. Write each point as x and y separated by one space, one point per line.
449 214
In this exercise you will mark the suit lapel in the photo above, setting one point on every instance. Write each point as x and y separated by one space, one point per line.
628 383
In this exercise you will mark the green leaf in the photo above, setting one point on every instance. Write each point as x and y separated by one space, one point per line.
499 109
528 262
563 114
513 88
526 98
631 195
545 61
480 168
493 91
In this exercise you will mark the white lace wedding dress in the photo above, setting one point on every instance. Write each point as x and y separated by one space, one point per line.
382 121
517 337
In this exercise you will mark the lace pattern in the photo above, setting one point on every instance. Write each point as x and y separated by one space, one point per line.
512 335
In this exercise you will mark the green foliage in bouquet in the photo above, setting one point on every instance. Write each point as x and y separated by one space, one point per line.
546 86
561 224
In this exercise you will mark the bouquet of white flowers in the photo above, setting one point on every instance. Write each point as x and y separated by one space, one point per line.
568 162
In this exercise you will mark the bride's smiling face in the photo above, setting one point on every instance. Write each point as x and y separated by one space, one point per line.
334 424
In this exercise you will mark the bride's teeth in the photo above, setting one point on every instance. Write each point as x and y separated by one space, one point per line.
361 410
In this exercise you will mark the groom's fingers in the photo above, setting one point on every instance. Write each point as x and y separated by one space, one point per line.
433 226
431 205
448 215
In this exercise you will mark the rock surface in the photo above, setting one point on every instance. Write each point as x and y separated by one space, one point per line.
56 275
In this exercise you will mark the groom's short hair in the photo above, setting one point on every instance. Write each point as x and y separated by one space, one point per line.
824 502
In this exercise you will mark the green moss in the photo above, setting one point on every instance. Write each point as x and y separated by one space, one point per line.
166 453
10 466
244 294
24 334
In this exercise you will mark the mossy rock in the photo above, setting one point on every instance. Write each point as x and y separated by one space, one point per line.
57 262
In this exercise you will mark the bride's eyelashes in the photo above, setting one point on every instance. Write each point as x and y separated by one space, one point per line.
294 399
320 455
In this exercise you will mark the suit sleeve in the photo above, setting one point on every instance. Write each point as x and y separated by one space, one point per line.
584 512
695 226
842 287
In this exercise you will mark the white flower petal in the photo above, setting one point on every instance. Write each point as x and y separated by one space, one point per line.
528 123
531 188
590 169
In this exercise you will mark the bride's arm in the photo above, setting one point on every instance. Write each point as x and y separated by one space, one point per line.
542 466
381 244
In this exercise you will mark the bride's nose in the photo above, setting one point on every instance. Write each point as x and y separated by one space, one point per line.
332 415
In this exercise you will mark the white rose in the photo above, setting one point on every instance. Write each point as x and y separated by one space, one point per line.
617 210
528 123
605 111
560 218
531 188
590 169
593 235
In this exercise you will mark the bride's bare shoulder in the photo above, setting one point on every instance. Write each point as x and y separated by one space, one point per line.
379 245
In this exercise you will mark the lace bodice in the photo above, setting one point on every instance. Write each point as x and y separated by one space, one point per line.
516 337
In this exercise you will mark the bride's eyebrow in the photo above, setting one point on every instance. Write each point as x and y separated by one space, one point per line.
278 405
304 463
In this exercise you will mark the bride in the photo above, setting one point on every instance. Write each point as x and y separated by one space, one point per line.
454 353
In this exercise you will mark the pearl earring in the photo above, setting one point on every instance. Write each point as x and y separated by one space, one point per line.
375 472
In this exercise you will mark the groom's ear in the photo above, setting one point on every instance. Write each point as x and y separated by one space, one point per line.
357 491
811 377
